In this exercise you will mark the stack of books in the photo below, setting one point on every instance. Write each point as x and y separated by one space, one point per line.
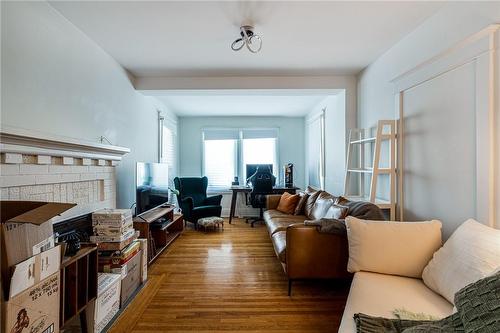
113 229
114 261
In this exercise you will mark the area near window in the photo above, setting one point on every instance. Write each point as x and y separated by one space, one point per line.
226 152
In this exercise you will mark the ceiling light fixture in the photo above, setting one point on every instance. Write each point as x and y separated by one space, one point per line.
248 38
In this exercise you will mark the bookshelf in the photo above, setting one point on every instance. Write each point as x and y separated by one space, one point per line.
78 283
159 238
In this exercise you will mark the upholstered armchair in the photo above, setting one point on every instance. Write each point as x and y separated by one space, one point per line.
193 199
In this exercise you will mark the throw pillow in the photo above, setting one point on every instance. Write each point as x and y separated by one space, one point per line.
288 202
479 305
299 210
395 248
337 212
323 202
472 252
311 199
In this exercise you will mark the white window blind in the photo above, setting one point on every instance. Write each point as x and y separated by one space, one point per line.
220 162
265 133
259 151
168 149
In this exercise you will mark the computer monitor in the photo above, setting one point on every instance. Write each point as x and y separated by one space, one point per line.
252 168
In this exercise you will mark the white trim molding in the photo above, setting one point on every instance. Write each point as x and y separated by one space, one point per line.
28 142
481 49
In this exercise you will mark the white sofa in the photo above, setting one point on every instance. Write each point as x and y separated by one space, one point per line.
471 253
380 294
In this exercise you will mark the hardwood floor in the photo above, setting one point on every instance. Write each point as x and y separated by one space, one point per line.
229 281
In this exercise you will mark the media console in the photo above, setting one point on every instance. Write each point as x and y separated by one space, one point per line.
159 238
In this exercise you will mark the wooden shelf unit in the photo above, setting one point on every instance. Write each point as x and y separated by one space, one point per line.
78 282
159 239
362 144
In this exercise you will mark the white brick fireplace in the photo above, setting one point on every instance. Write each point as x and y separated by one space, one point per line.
40 167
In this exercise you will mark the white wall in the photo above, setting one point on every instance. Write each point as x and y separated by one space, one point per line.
165 85
56 80
337 124
376 100
290 145
453 23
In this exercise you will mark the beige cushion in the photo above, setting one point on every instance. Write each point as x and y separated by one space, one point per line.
379 295
399 248
471 253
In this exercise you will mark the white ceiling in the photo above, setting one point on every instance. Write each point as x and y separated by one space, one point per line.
290 103
193 38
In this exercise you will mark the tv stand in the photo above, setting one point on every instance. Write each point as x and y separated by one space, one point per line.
159 239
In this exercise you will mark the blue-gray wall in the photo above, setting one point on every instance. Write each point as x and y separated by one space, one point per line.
290 141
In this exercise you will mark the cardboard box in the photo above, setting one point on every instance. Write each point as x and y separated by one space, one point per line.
144 258
131 280
107 230
107 304
26 230
36 309
114 217
113 239
109 246
26 274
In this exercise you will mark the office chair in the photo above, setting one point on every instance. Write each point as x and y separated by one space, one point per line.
262 184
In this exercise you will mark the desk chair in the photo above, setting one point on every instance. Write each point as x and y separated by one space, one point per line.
262 185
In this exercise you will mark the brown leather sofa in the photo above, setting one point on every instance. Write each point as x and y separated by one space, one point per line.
303 250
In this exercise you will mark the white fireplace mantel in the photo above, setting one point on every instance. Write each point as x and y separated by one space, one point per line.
29 142
42 167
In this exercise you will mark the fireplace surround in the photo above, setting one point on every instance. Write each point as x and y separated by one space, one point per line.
41 167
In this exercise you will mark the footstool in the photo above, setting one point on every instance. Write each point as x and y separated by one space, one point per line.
211 222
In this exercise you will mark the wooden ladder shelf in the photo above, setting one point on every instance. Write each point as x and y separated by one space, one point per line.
356 168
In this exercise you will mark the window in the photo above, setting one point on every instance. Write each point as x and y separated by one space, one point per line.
227 152
220 162
167 147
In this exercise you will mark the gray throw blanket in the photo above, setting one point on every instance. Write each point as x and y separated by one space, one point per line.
328 226
478 310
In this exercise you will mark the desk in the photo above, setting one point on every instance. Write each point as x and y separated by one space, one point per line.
246 189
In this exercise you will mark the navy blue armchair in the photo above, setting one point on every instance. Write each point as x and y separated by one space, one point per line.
193 199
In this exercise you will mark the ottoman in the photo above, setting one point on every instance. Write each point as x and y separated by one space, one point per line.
211 222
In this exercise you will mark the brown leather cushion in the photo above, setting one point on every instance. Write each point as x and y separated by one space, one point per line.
279 242
311 199
338 212
288 202
324 201
299 209
281 223
272 213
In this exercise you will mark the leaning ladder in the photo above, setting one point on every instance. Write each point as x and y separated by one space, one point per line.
356 168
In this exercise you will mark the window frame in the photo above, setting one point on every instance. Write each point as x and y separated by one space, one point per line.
239 154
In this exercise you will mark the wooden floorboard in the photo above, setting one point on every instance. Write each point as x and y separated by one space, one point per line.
230 281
